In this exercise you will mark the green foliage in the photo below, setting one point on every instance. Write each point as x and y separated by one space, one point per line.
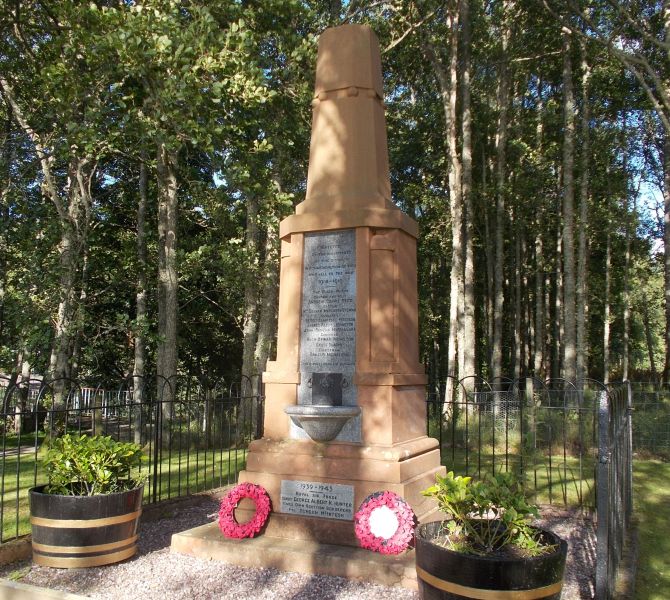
227 86
486 516
91 465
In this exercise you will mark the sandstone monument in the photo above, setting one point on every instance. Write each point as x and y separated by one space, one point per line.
345 412
347 317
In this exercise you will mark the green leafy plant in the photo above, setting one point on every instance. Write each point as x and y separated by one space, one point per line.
82 465
487 516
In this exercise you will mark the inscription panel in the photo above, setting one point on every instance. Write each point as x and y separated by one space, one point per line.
317 499
328 318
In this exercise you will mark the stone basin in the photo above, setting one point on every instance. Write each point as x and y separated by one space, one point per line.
321 423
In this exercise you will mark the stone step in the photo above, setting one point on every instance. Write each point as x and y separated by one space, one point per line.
298 556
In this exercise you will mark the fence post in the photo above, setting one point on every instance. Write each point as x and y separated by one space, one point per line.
531 416
157 442
602 498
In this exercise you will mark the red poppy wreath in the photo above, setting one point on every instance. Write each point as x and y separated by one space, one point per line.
227 523
384 523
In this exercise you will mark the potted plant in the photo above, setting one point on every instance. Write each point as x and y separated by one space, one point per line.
88 513
487 548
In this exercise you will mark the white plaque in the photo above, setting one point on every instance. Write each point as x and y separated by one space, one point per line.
317 499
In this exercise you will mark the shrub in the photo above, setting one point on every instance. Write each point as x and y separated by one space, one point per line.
91 465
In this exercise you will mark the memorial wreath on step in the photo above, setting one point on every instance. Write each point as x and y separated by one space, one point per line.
227 522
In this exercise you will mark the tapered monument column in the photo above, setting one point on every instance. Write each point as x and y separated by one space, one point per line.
345 412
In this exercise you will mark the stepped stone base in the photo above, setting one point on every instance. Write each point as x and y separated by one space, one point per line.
298 556
405 468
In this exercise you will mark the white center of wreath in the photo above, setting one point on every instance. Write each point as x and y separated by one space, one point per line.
383 522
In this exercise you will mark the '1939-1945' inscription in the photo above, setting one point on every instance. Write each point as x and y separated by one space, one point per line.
317 499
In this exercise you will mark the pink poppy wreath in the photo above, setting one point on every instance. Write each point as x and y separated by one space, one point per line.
227 523
384 523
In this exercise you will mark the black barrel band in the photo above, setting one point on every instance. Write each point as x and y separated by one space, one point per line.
69 562
481 594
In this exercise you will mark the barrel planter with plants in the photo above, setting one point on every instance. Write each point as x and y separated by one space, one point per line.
88 513
487 549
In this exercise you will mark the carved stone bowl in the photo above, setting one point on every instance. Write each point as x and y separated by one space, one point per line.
321 423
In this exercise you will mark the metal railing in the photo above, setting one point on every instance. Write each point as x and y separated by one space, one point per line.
615 485
545 431
651 420
195 434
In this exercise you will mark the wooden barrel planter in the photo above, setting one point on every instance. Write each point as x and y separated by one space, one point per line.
84 531
447 575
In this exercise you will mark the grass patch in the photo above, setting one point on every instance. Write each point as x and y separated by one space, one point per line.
549 478
178 474
651 481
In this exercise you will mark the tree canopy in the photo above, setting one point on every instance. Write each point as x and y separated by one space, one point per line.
149 149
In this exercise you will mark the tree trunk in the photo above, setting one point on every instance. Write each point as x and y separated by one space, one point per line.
73 219
517 304
541 288
469 331
649 338
166 352
490 266
501 160
666 215
582 256
448 90
267 323
538 358
607 309
628 216
666 245
141 317
5 186
556 344
569 301
72 249
80 314
252 272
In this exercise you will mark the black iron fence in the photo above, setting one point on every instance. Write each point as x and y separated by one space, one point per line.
615 486
545 431
651 420
194 433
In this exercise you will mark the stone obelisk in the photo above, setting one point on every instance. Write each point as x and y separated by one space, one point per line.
345 412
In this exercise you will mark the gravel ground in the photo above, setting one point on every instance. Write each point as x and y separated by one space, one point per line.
156 574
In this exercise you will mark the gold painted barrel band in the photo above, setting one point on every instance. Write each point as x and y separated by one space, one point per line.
84 523
83 549
482 594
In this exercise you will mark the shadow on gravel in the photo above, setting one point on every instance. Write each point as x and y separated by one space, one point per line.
578 530
156 533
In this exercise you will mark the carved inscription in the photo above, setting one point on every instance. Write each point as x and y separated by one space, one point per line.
317 499
328 320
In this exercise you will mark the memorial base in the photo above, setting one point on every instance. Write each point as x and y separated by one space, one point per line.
298 556
282 465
